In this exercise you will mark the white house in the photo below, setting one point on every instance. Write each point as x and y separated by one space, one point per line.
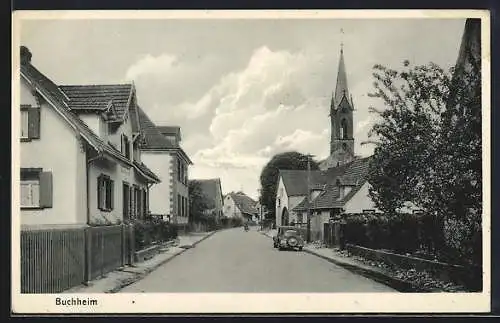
80 160
161 150
239 205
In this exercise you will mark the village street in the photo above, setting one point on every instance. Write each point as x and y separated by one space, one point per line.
237 261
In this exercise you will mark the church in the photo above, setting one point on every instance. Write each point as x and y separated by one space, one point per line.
341 183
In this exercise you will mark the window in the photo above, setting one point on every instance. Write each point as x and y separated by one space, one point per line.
179 207
104 193
145 203
24 123
36 188
138 204
125 148
343 129
30 122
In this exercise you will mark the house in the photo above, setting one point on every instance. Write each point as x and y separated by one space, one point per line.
161 150
80 158
212 190
343 190
239 205
82 179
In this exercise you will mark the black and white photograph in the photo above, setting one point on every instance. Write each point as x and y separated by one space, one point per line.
264 161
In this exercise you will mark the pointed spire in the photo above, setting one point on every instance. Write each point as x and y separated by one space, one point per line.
341 89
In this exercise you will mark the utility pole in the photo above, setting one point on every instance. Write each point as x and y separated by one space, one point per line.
308 197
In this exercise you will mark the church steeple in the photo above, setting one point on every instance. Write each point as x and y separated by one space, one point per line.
341 113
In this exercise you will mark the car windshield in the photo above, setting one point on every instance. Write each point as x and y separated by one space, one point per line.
289 233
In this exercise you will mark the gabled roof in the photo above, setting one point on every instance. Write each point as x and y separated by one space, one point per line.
97 96
210 188
55 97
154 140
354 175
244 203
152 137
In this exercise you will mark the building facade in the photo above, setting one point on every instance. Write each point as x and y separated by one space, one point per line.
161 150
80 162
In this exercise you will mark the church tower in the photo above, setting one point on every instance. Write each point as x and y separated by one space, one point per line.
341 114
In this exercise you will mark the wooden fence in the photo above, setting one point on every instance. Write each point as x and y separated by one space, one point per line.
53 260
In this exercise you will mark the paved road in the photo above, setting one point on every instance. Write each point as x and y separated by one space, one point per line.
237 261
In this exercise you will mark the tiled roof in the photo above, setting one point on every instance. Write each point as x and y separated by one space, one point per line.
97 97
244 203
51 92
295 181
152 138
210 188
353 174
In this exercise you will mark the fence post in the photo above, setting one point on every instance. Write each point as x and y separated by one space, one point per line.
88 255
124 244
131 236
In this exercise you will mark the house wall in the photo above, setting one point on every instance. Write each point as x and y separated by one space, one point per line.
159 194
360 201
317 221
92 120
119 174
230 208
281 201
178 188
46 153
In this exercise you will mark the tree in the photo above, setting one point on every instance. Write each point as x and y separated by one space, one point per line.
408 133
269 176
429 147
198 202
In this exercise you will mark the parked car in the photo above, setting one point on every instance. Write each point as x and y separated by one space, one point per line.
288 238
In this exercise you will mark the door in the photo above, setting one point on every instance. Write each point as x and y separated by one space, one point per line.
126 201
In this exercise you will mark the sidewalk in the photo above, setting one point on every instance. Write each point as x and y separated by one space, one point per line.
343 260
122 277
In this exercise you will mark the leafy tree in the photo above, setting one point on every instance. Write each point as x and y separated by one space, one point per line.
408 132
429 149
198 202
459 172
269 176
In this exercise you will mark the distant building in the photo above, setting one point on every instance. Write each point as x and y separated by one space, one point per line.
240 205
162 151
212 190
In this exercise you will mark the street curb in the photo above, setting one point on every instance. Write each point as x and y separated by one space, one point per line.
141 275
397 284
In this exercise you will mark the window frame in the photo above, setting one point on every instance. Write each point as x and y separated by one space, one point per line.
105 203
25 114
45 187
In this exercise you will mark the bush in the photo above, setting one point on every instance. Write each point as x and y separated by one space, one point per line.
149 231
400 232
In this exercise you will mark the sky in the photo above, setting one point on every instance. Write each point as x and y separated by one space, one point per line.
241 90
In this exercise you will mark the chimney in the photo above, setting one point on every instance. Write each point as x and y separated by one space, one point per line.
25 55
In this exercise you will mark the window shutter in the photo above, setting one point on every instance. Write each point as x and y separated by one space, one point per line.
99 195
111 195
34 123
46 189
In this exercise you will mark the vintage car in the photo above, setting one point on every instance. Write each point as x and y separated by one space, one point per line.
288 238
